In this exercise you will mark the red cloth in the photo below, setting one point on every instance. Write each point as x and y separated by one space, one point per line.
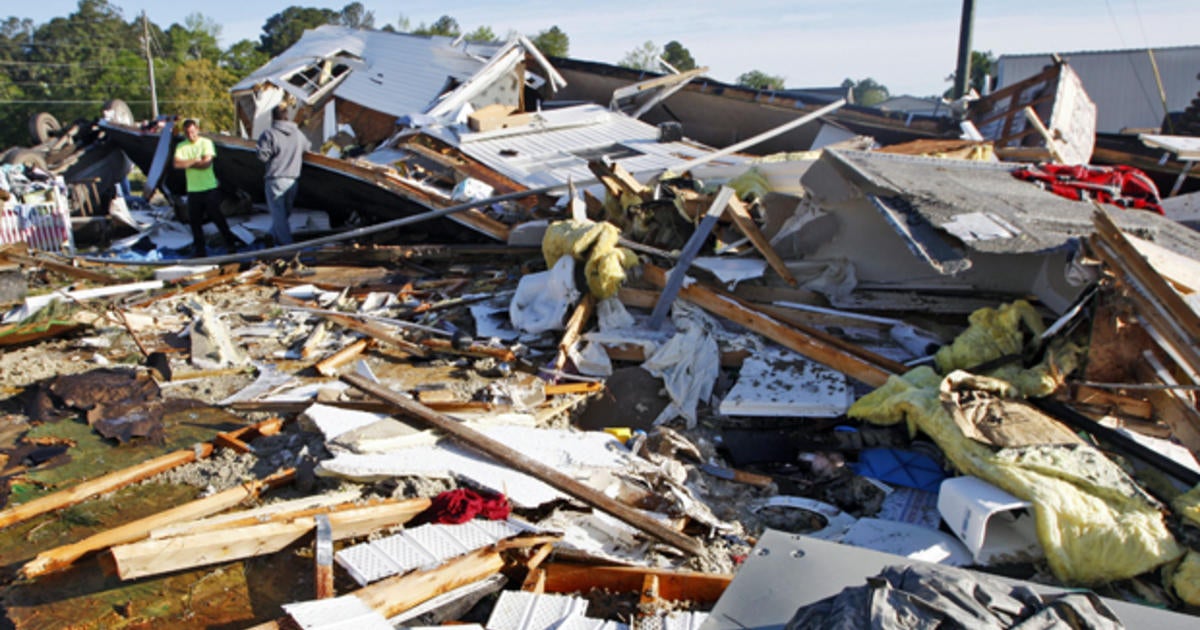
462 505
1122 186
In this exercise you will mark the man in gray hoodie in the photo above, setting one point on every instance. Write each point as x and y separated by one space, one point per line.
282 147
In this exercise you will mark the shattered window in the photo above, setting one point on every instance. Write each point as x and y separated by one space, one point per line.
313 78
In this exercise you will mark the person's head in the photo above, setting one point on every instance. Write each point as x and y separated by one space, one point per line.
191 129
279 112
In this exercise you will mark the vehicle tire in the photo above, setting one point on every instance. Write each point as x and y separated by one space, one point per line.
117 111
26 157
42 127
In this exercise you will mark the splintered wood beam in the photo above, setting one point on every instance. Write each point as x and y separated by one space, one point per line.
323 556
566 577
579 318
281 512
512 458
745 223
810 346
118 479
61 268
196 287
434 344
573 388
62 557
397 594
377 333
330 364
162 555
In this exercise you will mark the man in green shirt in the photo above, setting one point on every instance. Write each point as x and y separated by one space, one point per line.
195 155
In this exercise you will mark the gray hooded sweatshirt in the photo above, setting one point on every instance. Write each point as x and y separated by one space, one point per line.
282 147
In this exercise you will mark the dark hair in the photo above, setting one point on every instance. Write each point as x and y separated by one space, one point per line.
279 112
191 122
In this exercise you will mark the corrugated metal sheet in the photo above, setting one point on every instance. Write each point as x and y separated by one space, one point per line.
1120 82
518 610
548 151
340 613
422 547
399 73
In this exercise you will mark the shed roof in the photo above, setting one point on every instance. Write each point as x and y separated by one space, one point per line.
394 73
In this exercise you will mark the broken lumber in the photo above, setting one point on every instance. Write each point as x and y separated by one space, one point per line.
477 441
579 317
323 556
564 577
330 364
114 480
61 268
163 555
62 557
745 223
373 331
820 350
196 287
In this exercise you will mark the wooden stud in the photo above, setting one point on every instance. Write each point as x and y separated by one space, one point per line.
745 223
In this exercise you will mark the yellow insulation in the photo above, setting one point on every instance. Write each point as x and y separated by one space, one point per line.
1093 522
596 244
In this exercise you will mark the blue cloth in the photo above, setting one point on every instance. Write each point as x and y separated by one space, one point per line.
281 193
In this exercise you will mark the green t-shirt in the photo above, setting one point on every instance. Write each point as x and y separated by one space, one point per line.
198 179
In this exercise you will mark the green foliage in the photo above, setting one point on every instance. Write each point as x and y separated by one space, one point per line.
355 15
867 92
199 88
983 66
243 57
444 25
552 42
675 54
284 28
644 57
760 80
481 34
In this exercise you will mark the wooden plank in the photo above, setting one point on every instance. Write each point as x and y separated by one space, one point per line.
280 511
574 329
817 349
330 364
564 577
60 268
445 346
323 557
1176 409
555 389
377 333
156 556
248 276
745 223
117 479
1124 405
62 557
518 461
397 594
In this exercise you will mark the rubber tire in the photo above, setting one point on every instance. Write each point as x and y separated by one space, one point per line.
118 111
42 127
26 157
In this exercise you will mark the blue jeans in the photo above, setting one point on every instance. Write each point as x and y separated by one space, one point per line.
281 193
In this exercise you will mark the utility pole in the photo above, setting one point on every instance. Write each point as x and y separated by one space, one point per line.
962 72
149 66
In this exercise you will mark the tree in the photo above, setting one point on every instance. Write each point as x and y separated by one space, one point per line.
355 15
195 39
760 80
552 42
481 34
675 54
867 92
644 57
444 25
284 28
199 88
243 57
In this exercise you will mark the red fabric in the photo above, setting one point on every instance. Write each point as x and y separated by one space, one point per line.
462 505
1122 186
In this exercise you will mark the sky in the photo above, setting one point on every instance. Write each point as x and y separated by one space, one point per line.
909 46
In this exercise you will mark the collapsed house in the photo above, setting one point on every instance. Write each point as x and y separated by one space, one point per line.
623 378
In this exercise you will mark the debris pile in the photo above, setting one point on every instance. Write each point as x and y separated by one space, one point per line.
681 378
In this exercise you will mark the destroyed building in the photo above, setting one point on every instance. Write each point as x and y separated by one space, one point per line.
544 362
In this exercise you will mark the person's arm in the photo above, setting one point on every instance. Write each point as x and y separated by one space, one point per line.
266 149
